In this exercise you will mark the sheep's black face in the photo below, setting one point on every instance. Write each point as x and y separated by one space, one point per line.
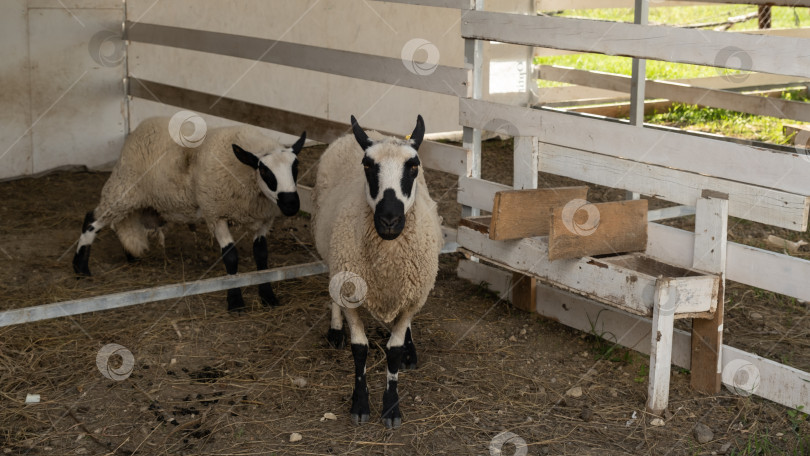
277 174
391 167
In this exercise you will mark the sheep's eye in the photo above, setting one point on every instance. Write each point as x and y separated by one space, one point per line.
367 163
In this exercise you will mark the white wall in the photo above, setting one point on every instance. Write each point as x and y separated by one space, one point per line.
62 90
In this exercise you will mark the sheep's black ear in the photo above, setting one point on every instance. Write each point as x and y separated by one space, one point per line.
296 148
360 135
245 156
418 132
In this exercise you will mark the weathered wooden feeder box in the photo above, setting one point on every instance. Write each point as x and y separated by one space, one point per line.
634 283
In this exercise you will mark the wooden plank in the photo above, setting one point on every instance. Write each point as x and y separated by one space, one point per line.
792 32
525 165
580 229
746 201
458 4
174 291
525 213
669 213
778 383
305 197
524 292
768 54
387 70
752 104
760 268
777 170
662 325
800 136
800 3
479 193
711 228
442 157
556 5
496 280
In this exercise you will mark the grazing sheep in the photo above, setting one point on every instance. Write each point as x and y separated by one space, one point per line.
218 182
374 218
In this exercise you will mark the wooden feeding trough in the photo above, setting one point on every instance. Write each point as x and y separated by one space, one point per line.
632 282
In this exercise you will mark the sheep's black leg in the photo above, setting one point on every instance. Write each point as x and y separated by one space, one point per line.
391 416
82 256
231 259
266 295
360 410
409 357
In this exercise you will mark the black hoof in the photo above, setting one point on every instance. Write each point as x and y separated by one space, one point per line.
391 416
131 258
392 423
81 260
235 301
336 338
266 295
360 419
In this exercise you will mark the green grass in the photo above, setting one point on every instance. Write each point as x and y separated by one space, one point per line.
729 123
782 17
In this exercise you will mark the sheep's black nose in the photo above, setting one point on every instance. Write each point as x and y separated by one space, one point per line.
288 203
390 221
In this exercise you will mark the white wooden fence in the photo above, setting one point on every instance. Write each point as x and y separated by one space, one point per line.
766 185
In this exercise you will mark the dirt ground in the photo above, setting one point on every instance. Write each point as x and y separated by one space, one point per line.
208 382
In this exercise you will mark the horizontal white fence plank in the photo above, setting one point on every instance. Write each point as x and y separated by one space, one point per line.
768 54
752 104
759 204
778 170
670 212
805 3
439 156
479 193
760 268
174 291
458 4
441 79
557 5
779 383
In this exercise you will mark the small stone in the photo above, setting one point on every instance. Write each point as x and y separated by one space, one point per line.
779 434
299 382
657 422
512 339
173 361
586 414
574 392
702 433
724 449
295 437
523 332
614 393
756 316
32 398
329 416
476 420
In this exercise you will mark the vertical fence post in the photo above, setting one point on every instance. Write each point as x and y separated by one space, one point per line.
638 82
711 227
471 137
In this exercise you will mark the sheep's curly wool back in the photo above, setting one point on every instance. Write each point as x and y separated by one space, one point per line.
399 273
